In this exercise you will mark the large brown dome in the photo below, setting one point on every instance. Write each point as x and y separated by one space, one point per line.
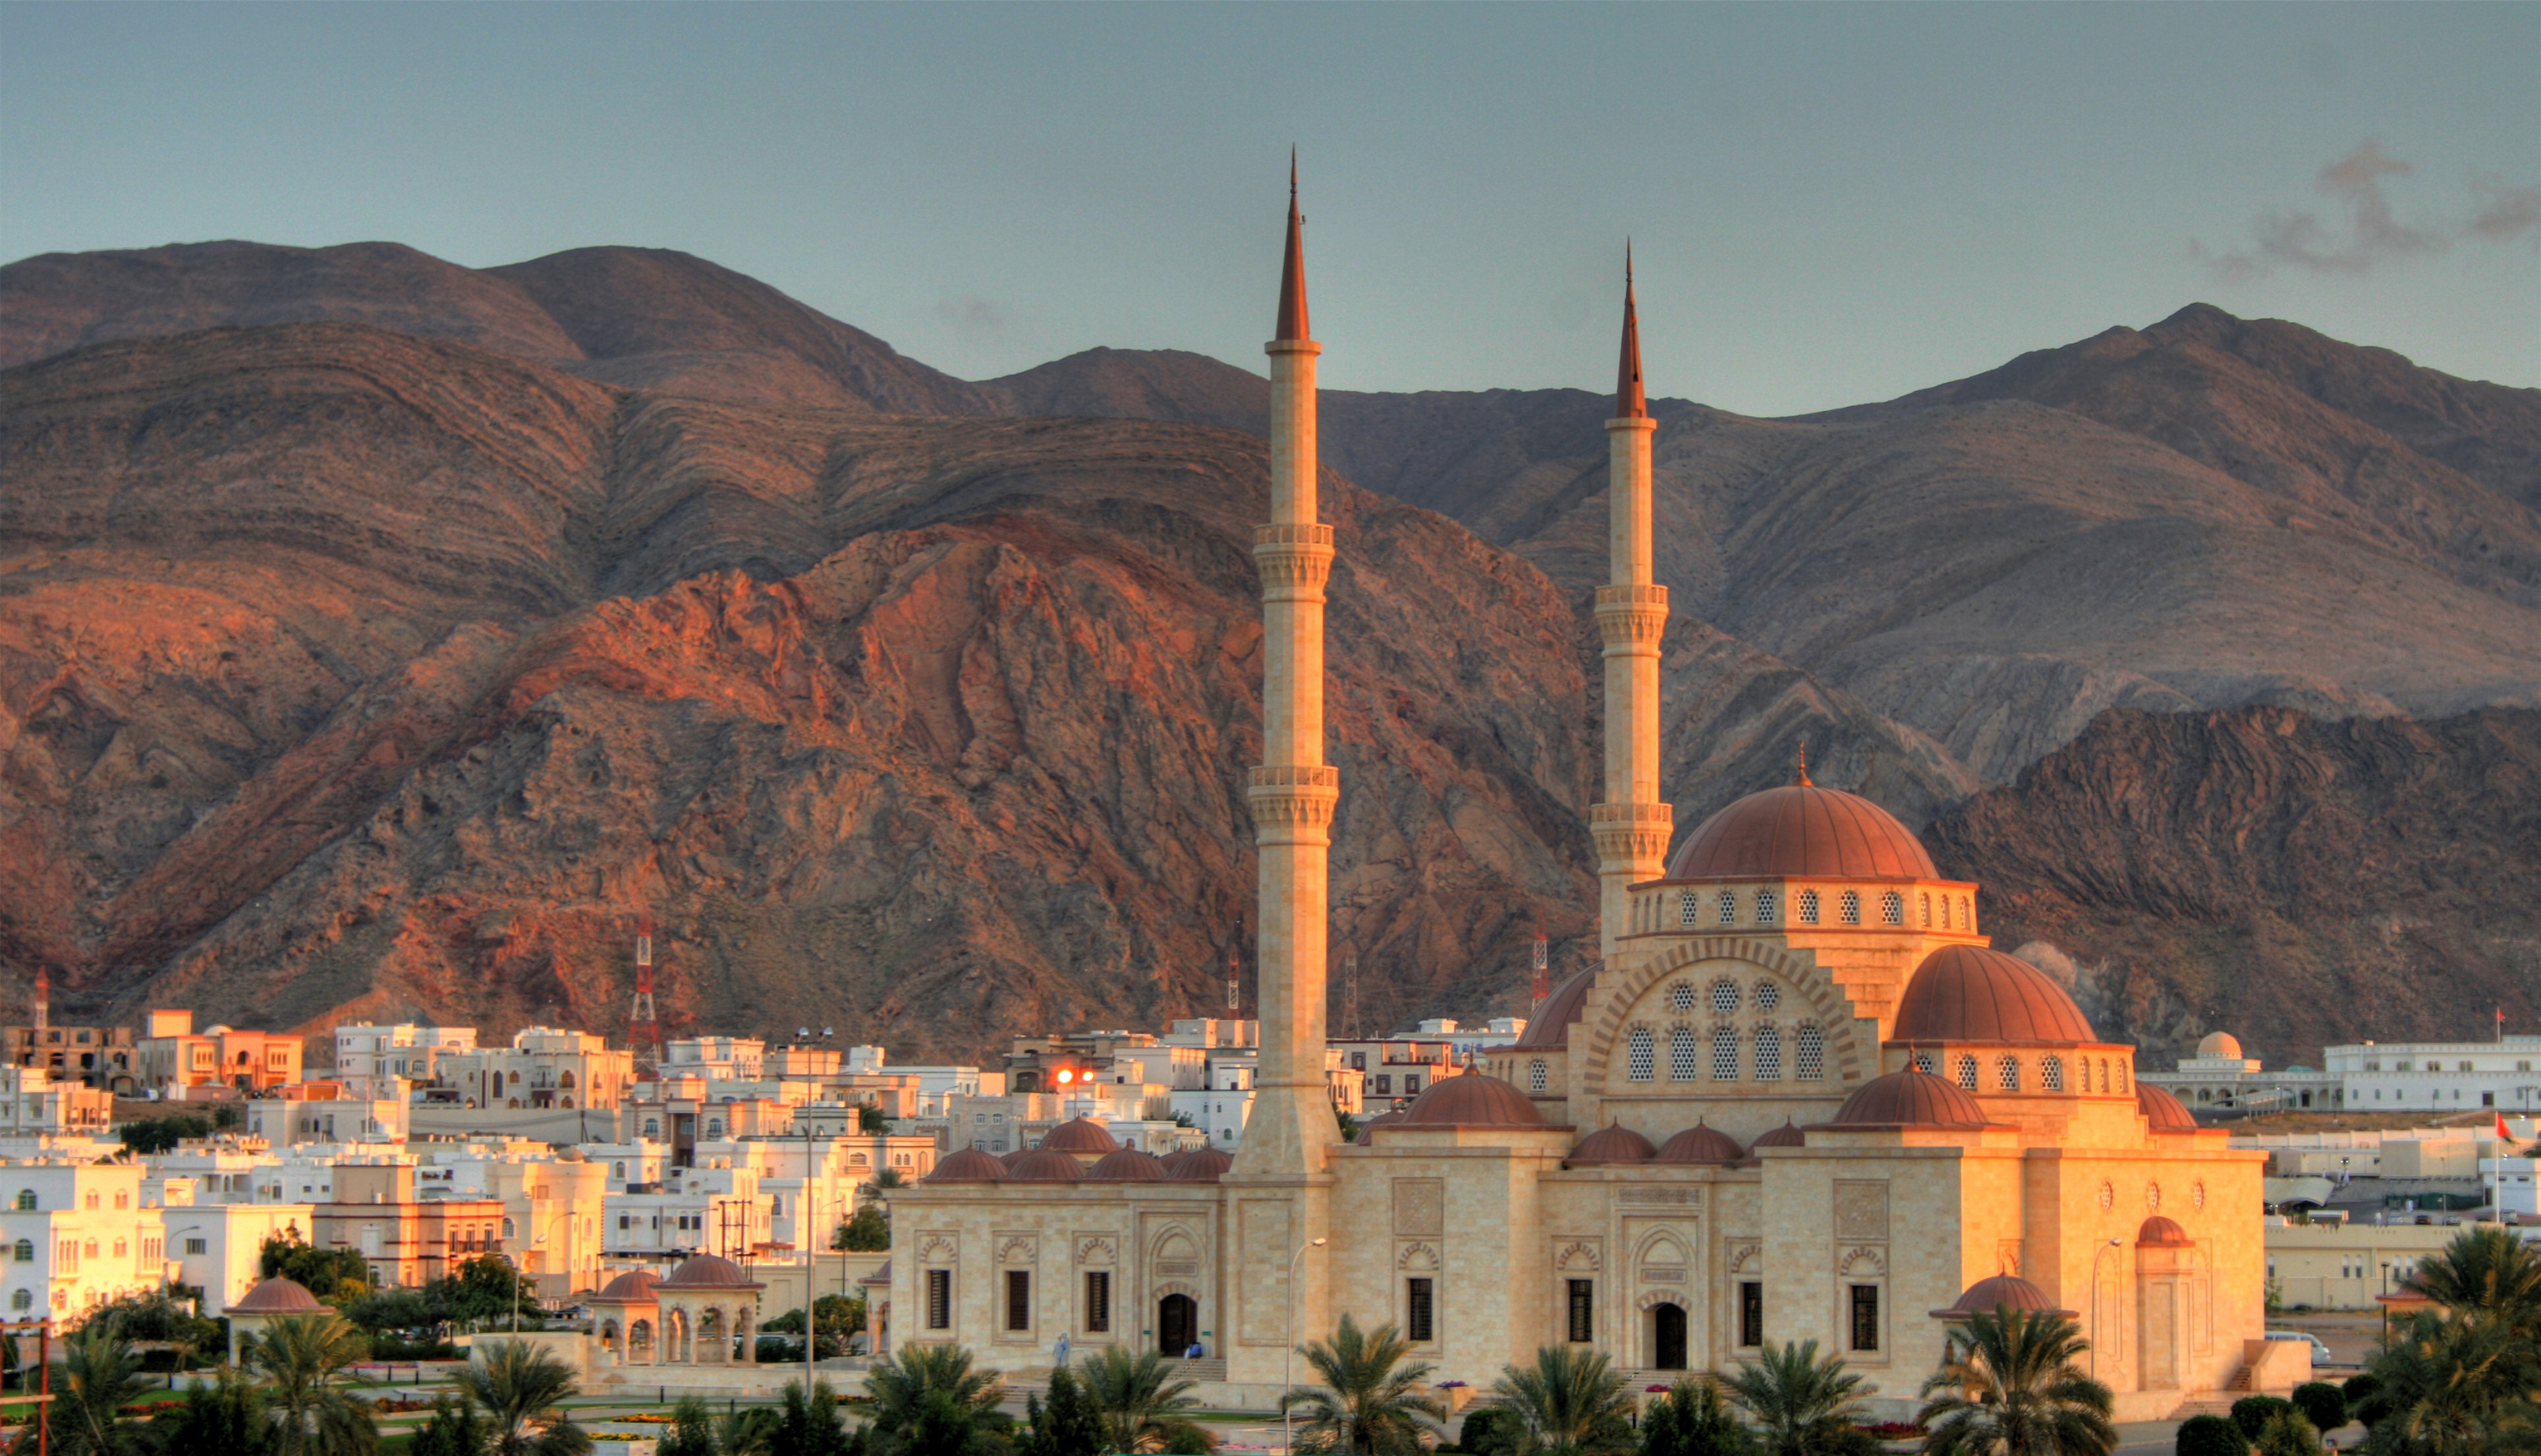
969 1165
1998 1292
1129 1165
1471 1101
277 1295
2162 1112
1560 1011
1801 829
2158 1232
1909 1099
1968 993
708 1272
1042 1165
636 1287
1614 1143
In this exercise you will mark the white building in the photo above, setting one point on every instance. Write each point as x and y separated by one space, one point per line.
716 1059
2439 1076
76 1235
714 1211
31 1102
291 1122
214 1246
366 1056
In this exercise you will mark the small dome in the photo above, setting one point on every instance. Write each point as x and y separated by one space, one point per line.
636 1287
1129 1165
707 1272
2158 1232
1787 1135
1560 1011
1998 1293
1080 1135
1046 1165
1800 828
1201 1165
1909 1099
1009 1159
969 1165
2219 1044
277 1296
1612 1143
1363 1137
2163 1113
1703 1144
1968 993
1472 1101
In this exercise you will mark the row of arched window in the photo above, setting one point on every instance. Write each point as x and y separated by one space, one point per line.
1723 1055
1809 907
2005 1072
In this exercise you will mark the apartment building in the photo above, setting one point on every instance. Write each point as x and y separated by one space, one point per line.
326 1112
407 1239
2345 1265
367 1055
544 1067
173 1057
216 1245
34 1102
76 1235
553 1206
1397 1068
716 1059
714 1210
95 1057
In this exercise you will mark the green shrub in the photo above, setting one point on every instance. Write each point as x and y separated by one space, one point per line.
2359 1391
2210 1435
2323 1405
1188 1439
2251 1413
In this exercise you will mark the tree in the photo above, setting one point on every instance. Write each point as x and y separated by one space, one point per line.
1141 1408
1572 1403
454 1429
522 1389
2252 1413
155 1316
2289 1432
1070 1425
302 1361
871 1122
2018 1391
1806 1405
225 1417
485 1288
99 1378
147 1135
329 1274
807 1424
834 1317
747 1430
929 1402
692 1431
1366 1405
1487 1432
2484 1275
867 1232
2209 1436
2451 1387
1693 1419
2323 1405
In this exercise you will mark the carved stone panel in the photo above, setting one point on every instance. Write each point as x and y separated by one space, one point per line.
1419 1207
1862 1211
1017 1248
1096 1250
1682 1198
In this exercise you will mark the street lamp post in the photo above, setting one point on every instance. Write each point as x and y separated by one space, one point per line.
1287 1356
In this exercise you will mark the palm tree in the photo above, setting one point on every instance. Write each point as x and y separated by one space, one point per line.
1572 1404
2486 1274
1367 1407
1806 1406
300 1359
1141 1408
2017 1392
747 1431
99 1377
2452 1387
521 1388
1693 1419
929 1401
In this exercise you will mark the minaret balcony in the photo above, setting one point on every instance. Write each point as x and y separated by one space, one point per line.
1633 616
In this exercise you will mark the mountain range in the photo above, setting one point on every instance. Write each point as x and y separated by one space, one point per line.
380 636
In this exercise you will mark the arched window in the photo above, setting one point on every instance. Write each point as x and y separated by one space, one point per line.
1849 907
1640 1055
1808 1053
1689 909
1808 907
2007 1071
25 1251
1765 906
1681 996
1683 1055
1729 907
1967 920
1769 1053
1925 1062
652 1127
507 1228
777 1206
1926 898
1725 1053
1536 1076
2051 1074
565 1080
1968 1073
1768 995
1724 996
25 1201
1892 909
21 1299
714 1126
2122 1077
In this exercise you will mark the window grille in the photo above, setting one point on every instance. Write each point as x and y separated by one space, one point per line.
1640 1055
1536 1076
1892 909
1750 1313
2051 1074
1849 907
1769 1054
940 1299
1018 1299
2104 1074
1689 909
1098 1301
1808 1054
1681 1055
1584 1311
2007 1071
1724 996
1729 907
1725 1053
1924 1062
1765 905
1866 1316
1681 996
2122 1077
1967 920
1768 995
1808 907
1968 1073
1420 1323
1927 899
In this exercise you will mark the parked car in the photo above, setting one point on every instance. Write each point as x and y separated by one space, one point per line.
2319 1352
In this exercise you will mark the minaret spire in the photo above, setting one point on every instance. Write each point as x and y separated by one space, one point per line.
1632 824
1292 273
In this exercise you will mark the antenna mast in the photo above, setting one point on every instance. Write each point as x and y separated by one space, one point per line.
643 1027
1542 968
1234 994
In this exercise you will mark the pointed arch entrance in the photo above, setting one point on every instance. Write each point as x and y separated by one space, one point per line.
1177 1325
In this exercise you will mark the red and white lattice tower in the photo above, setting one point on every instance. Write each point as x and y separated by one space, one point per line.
1234 991
1543 984
643 1026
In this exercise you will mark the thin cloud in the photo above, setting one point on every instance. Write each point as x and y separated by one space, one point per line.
2365 231
974 315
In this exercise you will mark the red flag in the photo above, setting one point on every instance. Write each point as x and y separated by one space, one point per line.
2502 1135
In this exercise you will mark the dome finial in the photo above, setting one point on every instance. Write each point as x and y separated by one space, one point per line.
1800 777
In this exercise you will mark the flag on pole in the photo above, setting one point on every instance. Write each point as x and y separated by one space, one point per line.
2502 1135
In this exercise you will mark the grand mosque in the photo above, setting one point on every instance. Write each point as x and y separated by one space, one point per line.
1798 1098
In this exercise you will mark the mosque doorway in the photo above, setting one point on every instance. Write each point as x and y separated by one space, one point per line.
1177 1325
1667 1337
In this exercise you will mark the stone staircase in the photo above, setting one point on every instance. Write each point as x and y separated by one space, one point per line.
2210 1402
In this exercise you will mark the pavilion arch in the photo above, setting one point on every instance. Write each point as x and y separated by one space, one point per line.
1809 984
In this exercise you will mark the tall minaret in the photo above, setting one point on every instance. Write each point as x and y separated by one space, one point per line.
1632 826
1294 790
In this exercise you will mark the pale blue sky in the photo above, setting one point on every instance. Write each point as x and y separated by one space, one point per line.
1832 203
